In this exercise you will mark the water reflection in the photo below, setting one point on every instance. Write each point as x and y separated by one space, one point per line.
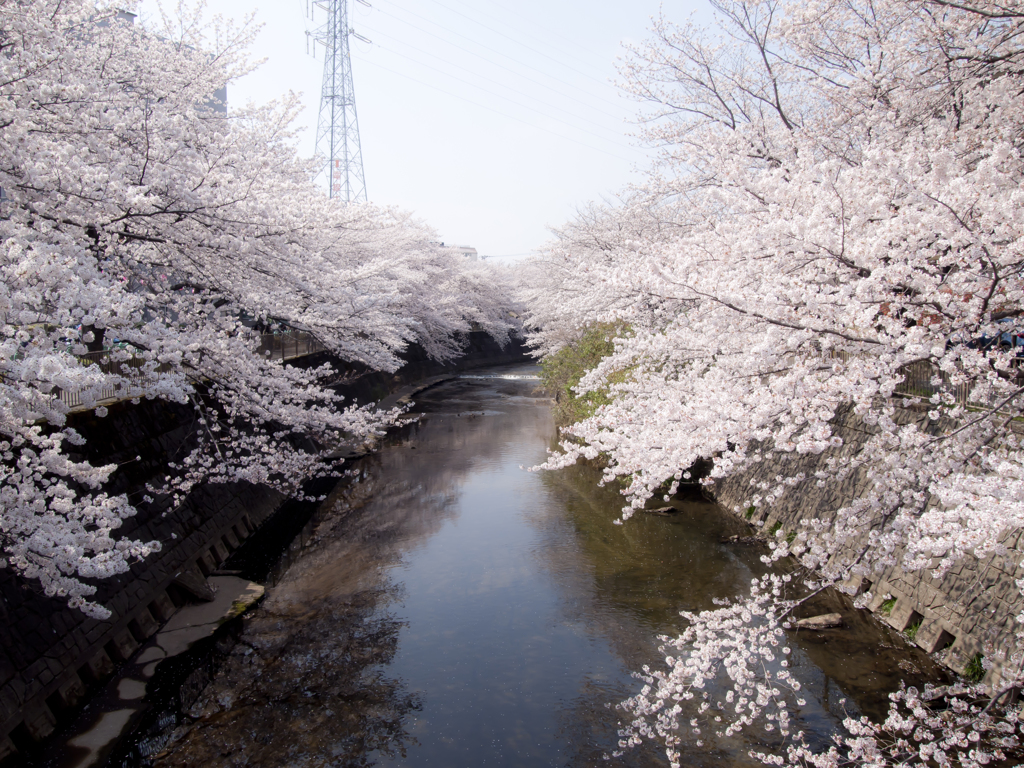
642 574
304 689
454 610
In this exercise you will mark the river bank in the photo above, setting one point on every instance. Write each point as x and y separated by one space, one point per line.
457 610
969 613
59 669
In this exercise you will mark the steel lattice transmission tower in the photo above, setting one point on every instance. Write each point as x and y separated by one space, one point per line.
338 151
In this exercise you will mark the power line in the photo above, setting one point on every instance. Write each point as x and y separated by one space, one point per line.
617 136
488 48
563 38
561 94
518 42
568 40
496 111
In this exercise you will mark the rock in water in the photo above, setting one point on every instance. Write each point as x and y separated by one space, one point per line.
824 621
191 579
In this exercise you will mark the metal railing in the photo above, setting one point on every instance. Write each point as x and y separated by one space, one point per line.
923 379
920 379
110 362
287 345
284 345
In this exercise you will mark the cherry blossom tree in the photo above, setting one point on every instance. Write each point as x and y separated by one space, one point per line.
138 210
837 198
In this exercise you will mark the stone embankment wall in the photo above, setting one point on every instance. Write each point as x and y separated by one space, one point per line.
362 386
50 655
971 610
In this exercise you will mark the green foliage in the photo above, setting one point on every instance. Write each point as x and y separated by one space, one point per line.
563 370
911 631
975 670
886 607
750 512
791 537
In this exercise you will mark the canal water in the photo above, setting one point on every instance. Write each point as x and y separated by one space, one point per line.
453 609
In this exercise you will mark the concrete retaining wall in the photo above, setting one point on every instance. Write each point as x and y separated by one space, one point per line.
970 611
50 655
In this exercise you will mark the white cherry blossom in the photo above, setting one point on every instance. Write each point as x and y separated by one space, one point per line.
837 201
142 217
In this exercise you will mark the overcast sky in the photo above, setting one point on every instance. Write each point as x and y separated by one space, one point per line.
490 119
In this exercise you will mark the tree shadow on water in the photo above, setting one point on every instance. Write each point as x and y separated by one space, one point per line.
303 687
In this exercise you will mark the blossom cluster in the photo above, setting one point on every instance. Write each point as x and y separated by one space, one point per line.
837 201
143 221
